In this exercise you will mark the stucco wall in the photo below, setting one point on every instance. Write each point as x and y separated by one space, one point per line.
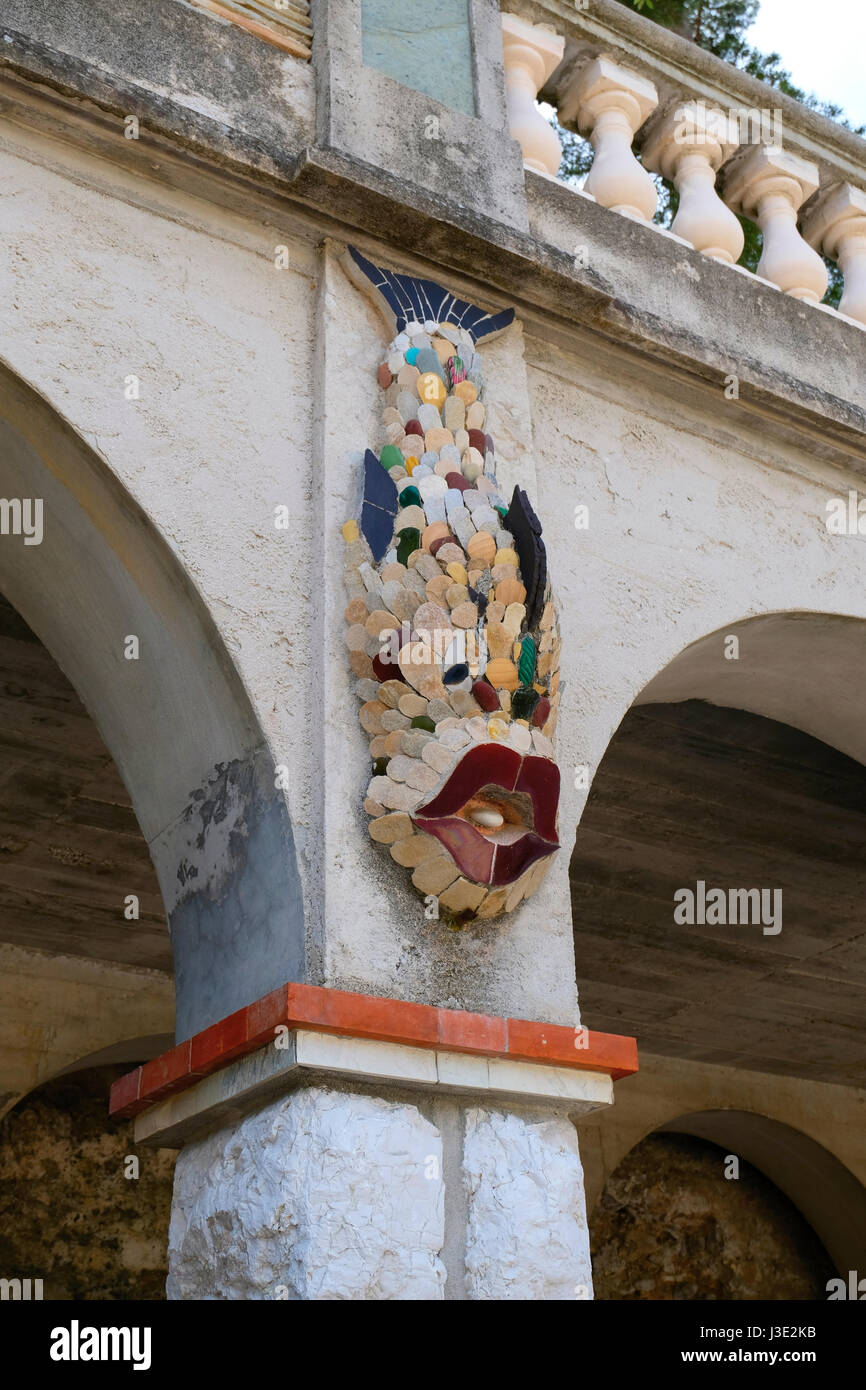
256 390
218 341
697 520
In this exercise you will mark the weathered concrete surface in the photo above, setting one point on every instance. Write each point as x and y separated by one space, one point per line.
431 145
321 1195
55 1010
527 1236
711 319
235 905
172 66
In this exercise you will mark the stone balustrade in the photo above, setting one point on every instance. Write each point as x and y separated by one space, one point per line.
836 226
609 103
531 54
770 185
651 103
688 148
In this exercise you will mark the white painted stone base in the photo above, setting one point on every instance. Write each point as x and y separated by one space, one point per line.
320 1195
325 1194
527 1236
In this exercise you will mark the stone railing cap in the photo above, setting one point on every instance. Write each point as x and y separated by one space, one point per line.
747 178
831 211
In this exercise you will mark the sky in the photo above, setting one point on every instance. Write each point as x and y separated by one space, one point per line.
822 45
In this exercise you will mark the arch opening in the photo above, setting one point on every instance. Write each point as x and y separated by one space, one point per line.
174 716
802 669
727 1204
717 891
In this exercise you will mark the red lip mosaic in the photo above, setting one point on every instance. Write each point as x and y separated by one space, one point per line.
483 826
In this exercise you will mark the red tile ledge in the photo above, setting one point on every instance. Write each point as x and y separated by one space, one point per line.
366 1016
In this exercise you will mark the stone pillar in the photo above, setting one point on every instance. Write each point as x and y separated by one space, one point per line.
610 103
370 928
332 1194
531 51
420 100
320 1194
835 225
338 1143
769 185
687 146
363 1148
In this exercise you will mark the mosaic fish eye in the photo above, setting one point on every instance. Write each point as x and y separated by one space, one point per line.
452 628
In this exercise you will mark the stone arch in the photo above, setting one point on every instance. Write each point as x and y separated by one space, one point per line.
826 1193
798 673
797 1121
177 721
805 669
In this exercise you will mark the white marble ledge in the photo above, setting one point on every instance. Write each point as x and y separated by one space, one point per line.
217 1098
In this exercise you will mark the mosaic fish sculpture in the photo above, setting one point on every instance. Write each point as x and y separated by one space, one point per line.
451 625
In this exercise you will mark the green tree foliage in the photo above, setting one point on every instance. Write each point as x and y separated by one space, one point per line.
720 27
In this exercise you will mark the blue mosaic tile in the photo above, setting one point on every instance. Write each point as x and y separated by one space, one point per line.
409 298
379 507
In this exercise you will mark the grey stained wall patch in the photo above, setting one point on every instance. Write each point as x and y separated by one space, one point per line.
237 922
428 48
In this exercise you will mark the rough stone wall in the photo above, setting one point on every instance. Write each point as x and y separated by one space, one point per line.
527 1236
320 1195
333 1195
671 1226
68 1215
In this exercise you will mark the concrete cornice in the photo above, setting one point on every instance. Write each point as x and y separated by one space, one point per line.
744 326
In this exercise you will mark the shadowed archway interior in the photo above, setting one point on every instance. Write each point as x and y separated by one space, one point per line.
689 792
71 849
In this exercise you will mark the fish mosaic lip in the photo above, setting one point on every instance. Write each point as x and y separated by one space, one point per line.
478 856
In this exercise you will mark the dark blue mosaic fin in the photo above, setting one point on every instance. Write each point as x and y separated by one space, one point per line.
410 298
379 507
